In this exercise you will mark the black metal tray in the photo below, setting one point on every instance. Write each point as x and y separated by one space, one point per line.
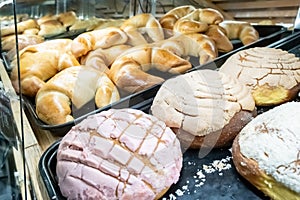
211 177
205 175
270 34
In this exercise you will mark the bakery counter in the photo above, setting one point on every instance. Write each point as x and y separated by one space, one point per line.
198 175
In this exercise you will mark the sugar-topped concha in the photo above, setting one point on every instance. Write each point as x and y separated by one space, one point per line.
118 154
205 108
273 75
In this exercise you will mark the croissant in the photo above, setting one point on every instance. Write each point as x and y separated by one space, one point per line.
198 20
103 38
21 27
145 22
101 59
195 44
240 30
129 70
8 44
69 90
40 62
168 20
218 34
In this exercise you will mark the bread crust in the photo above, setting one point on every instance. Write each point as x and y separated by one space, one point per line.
217 139
249 169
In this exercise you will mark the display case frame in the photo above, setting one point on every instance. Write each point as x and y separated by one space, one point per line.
38 140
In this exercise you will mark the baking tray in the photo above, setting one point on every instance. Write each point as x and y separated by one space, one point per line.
210 176
273 34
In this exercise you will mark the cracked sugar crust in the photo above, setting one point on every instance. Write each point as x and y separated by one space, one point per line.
201 102
118 154
263 65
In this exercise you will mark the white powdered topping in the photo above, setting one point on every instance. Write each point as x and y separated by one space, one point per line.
273 140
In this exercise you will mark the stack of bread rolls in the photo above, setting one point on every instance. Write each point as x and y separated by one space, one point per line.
208 21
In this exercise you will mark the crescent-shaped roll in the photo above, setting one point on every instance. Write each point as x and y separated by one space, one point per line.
198 20
129 70
70 89
142 23
218 34
103 38
195 44
21 27
169 19
40 62
241 30
102 59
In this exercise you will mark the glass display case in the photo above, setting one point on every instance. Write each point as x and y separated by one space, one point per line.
29 145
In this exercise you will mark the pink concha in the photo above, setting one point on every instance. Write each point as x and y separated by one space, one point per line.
118 154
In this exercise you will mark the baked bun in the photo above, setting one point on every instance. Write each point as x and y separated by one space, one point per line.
206 108
71 89
241 30
169 19
103 38
130 71
40 62
21 27
135 27
51 28
9 43
267 153
118 154
273 75
102 59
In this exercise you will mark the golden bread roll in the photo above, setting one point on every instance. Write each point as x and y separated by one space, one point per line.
85 24
72 88
67 18
205 108
23 41
31 31
243 31
109 23
266 22
21 27
198 20
103 38
273 75
40 62
102 59
129 70
142 23
118 154
45 18
169 19
218 35
266 152
195 44
51 28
